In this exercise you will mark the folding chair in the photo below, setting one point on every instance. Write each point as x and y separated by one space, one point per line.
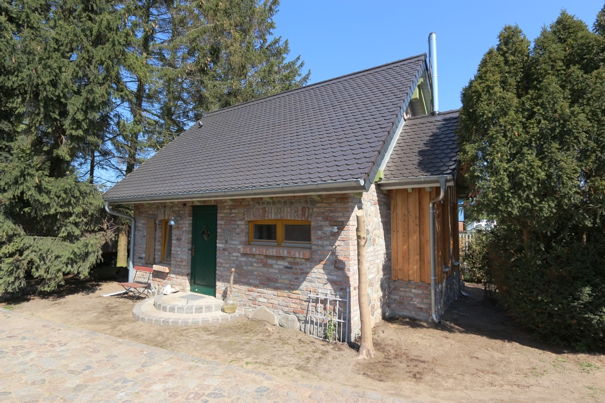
140 284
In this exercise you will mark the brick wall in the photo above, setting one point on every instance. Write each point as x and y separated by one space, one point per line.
413 299
181 241
447 292
282 278
278 278
409 299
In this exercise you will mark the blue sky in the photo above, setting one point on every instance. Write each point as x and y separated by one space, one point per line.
337 37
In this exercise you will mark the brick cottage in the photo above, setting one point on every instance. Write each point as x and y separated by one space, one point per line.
272 187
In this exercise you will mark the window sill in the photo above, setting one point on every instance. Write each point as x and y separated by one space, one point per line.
300 253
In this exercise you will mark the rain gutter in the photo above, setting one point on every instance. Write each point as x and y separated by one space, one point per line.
443 184
416 182
350 186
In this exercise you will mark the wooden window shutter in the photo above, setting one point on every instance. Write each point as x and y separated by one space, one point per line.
150 242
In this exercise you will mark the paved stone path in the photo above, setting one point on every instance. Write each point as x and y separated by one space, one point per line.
43 361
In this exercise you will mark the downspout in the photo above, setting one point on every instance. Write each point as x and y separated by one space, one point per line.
131 254
443 183
433 61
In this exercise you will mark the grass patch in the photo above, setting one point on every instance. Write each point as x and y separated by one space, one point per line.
536 372
594 391
588 367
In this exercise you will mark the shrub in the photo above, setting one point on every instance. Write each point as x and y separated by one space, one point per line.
476 260
557 291
532 141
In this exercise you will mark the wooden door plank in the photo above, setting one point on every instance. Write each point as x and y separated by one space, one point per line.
404 273
395 243
414 235
424 198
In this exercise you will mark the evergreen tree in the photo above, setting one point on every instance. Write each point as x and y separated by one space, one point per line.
238 60
96 84
60 72
532 150
193 58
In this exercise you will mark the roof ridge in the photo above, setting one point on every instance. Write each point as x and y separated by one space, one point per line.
314 85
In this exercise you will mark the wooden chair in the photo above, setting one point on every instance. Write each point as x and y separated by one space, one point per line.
140 286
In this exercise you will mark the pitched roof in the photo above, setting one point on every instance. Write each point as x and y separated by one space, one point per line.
327 136
426 147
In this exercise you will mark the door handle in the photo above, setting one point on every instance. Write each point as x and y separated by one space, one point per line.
193 251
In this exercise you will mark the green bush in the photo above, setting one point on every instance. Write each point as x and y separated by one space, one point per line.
557 291
476 260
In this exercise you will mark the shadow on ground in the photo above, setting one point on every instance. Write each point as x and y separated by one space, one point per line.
475 315
73 285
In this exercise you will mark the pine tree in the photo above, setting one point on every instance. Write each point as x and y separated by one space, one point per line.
533 140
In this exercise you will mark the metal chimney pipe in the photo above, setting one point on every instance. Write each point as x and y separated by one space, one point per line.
433 62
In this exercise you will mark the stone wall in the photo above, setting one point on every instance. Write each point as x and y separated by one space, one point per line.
375 205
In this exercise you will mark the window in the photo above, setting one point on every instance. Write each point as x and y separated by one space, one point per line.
281 233
166 241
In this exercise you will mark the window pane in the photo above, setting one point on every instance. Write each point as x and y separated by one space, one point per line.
297 233
265 232
168 243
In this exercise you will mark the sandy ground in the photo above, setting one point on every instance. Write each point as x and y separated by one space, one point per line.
476 355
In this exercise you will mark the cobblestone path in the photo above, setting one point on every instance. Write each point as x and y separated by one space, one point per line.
43 361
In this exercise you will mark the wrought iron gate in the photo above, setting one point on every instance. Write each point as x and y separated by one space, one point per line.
328 316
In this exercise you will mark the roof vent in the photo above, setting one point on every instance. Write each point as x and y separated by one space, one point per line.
200 123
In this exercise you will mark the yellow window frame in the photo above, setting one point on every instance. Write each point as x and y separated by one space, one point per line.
165 232
280 230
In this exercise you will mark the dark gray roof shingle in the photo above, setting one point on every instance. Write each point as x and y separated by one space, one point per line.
427 146
323 133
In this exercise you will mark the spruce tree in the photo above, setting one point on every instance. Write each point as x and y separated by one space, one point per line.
60 73
192 58
239 60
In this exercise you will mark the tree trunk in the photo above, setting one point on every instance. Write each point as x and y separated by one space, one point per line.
123 246
91 174
136 109
366 348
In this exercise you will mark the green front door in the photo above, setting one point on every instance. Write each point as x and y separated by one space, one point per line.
203 250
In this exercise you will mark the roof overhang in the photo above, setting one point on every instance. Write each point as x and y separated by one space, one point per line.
417 182
350 186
